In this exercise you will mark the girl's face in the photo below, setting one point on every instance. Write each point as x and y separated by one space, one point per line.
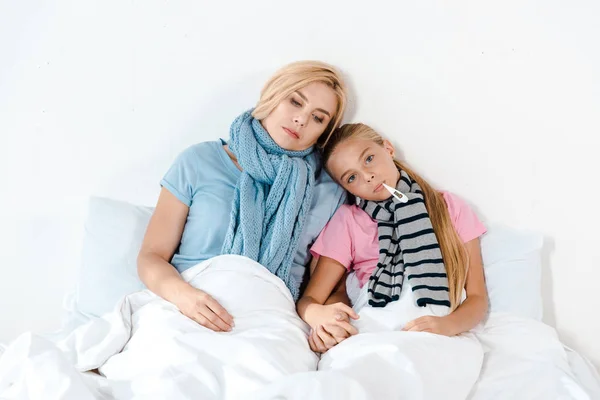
361 166
299 120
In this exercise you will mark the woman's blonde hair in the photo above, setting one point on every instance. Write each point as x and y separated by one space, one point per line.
453 250
295 76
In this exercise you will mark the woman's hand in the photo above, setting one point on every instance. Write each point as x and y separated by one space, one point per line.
438 325
202 308
330 325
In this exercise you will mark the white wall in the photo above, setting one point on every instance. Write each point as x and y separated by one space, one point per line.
498 102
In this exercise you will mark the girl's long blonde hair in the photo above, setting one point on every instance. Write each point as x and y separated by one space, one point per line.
453 250
295 76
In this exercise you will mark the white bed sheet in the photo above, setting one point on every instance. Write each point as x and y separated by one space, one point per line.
147 349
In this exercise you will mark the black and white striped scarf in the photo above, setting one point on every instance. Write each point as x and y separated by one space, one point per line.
407 247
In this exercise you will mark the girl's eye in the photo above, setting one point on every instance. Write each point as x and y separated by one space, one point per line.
295 102
369 159
351 178
317 119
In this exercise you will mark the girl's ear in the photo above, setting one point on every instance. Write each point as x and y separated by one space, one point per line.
389 147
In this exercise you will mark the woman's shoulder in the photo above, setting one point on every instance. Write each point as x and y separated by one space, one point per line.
206 154
202 149
328 196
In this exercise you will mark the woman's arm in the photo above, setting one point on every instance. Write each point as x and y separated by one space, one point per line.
470 312
163 235
160 242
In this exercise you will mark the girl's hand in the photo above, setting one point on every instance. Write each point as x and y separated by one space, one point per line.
438 325
330 325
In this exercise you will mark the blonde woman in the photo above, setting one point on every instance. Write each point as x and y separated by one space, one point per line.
417 243
262 194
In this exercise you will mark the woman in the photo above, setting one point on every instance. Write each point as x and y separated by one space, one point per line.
261 195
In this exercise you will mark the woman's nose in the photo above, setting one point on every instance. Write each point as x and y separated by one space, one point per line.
300 120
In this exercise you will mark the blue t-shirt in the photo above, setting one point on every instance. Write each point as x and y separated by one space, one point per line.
203 177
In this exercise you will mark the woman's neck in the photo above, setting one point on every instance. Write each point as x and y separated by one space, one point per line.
232 156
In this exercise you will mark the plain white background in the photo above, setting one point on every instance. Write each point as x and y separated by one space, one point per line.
496 101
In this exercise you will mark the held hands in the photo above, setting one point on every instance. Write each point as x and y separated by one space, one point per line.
330 325
202 308
438 325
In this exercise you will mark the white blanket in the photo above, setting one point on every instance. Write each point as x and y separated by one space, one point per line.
146 349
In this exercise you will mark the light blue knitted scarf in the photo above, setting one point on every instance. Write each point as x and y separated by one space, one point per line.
271 200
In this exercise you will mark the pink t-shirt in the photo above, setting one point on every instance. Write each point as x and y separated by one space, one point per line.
350 237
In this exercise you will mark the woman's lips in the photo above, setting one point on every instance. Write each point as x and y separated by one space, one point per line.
291 133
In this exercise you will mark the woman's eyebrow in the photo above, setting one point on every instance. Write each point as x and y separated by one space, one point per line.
299 93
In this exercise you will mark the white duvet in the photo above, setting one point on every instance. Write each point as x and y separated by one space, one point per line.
146 349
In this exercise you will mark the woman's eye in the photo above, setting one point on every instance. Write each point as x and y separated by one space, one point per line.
369 159
317 119
351 178
296 103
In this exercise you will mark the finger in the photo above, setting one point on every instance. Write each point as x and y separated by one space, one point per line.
348 310
214 319
219 311
337 332
348 327
202 320
418 328
311 343
327 339
342 316
412 323
321 348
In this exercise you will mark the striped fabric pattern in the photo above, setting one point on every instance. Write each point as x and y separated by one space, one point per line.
408 248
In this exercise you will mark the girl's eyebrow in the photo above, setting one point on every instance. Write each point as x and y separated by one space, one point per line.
363 154
359 159
299 93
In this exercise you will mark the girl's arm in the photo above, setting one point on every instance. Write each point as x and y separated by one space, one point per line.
339 294
323 281
470 312
330 323
475 307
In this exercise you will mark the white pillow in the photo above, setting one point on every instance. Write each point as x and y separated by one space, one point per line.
512 262
114 231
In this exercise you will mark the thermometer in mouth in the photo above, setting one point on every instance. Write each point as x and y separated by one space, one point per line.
395 192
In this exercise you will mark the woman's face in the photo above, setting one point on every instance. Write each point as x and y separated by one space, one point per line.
299 120
362 166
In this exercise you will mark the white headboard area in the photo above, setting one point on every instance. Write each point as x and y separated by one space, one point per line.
498 102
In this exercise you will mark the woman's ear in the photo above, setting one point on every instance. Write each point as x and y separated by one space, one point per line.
389 147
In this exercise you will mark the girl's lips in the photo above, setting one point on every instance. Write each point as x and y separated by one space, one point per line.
291 133
378 188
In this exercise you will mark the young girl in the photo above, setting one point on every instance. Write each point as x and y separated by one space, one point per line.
422 239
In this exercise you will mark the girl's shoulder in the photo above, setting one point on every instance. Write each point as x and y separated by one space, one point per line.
353 214
464 218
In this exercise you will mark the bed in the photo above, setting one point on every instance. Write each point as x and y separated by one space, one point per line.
119 341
